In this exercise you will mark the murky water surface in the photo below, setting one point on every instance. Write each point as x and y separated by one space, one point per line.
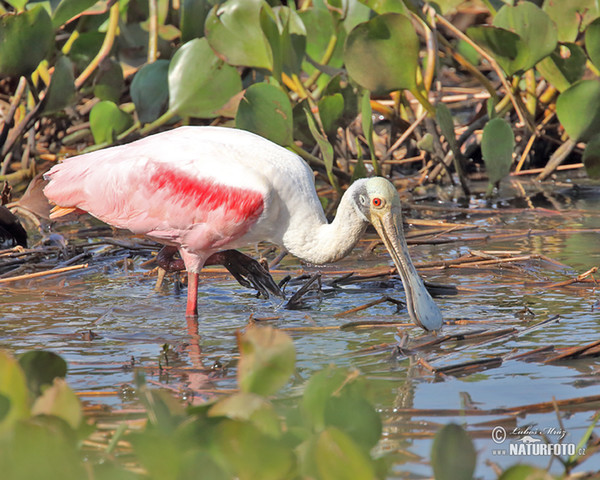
131 323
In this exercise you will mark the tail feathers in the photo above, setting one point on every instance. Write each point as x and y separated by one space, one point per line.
58 211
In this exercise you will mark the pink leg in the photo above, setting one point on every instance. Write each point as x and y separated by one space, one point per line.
192 295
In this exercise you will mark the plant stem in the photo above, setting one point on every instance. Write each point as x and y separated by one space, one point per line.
109 40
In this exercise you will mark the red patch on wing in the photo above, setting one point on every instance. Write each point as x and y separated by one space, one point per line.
208 195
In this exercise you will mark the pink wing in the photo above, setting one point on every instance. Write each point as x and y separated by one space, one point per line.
171 199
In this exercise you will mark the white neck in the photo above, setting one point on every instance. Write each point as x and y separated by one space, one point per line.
316 241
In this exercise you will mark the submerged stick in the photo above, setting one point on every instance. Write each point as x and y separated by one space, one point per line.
45 273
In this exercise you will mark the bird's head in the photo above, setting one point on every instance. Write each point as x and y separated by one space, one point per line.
378 201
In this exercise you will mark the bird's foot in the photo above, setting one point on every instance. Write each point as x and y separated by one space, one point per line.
247 271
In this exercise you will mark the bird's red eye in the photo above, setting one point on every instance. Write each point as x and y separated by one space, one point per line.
377 202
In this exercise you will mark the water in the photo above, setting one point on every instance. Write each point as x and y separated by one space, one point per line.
131 323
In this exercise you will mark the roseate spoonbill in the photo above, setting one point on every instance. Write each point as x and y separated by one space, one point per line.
207 190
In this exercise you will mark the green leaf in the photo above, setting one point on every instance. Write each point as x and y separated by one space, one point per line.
251 408
525 472
591 157
318 391
366 116
564 66
67 9
13 388
158 454
578 109
150 90
4 407
43 447
453 455
233 30
571 16
497 145
519 37
339 458
356 417
193 16
59 400
446 123
382 54
252 454
107 120
266 111
351 99
535 29
286 35
26 39
506 46
385 6
267 360
41 368
592 42
325 147
19 5
108 82
321 29
61 91
331 108
199 82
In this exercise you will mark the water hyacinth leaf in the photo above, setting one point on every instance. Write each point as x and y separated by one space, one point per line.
453 455
525 472
200 82
505 46
591 157
159 454
26 39
592 42
43 447
385 6
571 16
61 90
266 111
193 17
41 368
497 144
382 54
317 393
291 39
350 96
19 5
339 458
59 400
150 90
535 29
67 9
108 120
578 109
321 29
109 83
564 66
267 360
331 108
239 443
13 388
446 123
366 115
233 29
325 147
251 408
355 416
